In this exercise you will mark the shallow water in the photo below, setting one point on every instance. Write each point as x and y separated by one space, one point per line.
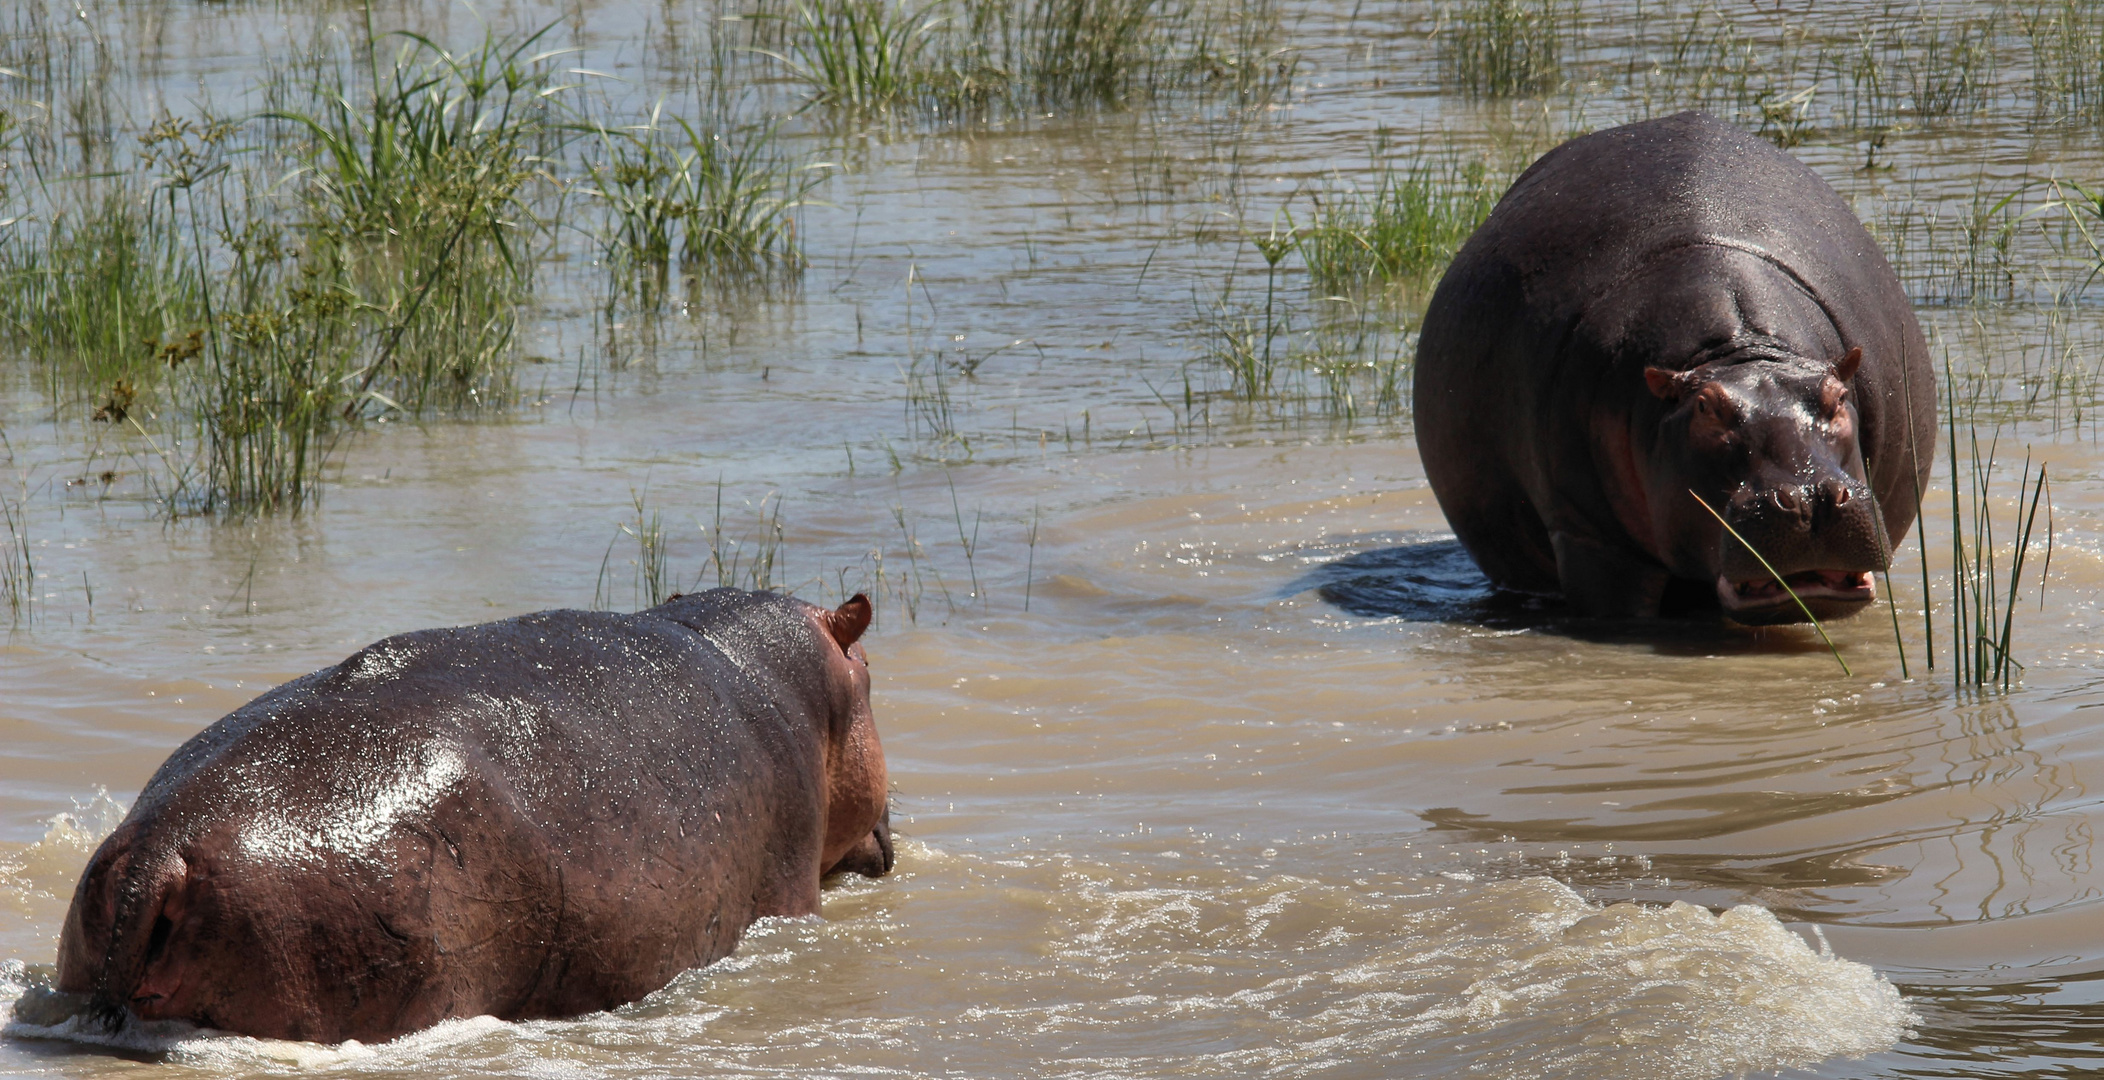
1212 753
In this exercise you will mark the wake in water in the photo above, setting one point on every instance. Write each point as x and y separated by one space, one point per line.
1203 969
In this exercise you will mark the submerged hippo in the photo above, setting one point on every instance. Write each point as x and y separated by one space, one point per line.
1662 313
537 817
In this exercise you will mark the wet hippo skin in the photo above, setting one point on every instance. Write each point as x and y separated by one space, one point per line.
1662 313
538 817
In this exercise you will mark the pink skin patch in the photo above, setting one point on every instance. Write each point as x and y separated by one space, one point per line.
1847 586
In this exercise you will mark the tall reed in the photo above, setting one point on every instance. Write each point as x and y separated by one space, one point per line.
18 567
1983 603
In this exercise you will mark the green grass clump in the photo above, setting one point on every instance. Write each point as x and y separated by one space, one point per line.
94 292
956 57
862 54
2065 43
1504 48
416 197
720 202
1404 229
1060 52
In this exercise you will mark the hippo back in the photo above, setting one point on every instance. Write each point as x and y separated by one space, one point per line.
540 816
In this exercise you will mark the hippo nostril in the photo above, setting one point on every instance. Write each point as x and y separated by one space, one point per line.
1783 499
1837 493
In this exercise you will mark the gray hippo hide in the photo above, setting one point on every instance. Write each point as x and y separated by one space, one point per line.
537 817
1656 317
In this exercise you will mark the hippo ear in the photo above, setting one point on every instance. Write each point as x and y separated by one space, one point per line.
849 620
1665 385
1845 368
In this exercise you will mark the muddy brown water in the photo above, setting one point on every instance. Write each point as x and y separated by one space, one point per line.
1212 753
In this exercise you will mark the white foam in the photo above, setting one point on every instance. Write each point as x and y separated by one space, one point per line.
1674 992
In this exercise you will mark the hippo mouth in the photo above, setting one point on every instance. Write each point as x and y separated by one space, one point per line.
1763 601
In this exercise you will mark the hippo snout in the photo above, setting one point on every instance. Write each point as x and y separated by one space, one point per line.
1822 539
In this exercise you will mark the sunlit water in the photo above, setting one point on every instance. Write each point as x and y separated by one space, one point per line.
1212 753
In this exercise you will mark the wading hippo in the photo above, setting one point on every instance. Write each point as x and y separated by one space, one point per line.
538 817
1662 312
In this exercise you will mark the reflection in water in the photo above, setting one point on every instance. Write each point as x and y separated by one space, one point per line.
2046 1029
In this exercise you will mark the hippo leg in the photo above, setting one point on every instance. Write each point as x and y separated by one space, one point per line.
1607 582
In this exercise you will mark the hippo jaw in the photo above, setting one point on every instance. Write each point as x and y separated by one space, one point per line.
1824 539
1763 601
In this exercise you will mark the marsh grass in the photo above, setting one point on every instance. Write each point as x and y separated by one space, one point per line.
862 54
416 175
2064 40
1950 68
93 291
1983 603
719 203
1334 356
960 58
931 412
1400 229
651 582
1504 48
18 568
224 317
750 557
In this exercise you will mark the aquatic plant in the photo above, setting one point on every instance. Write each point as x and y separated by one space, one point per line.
415 187
94 291
725 199
1949 68
861 54
750 559
1983 608
965 56
1502 48
1403 228
753 558
18 567
2064 41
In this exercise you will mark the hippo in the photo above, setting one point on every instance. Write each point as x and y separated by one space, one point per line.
542 816
1660 324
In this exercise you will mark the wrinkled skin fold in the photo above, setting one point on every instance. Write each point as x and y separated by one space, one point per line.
538 817
1659 318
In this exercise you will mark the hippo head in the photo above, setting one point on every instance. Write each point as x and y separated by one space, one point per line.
858 813
1769 441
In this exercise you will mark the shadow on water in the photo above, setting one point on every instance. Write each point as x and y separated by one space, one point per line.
1429 577
1424 579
